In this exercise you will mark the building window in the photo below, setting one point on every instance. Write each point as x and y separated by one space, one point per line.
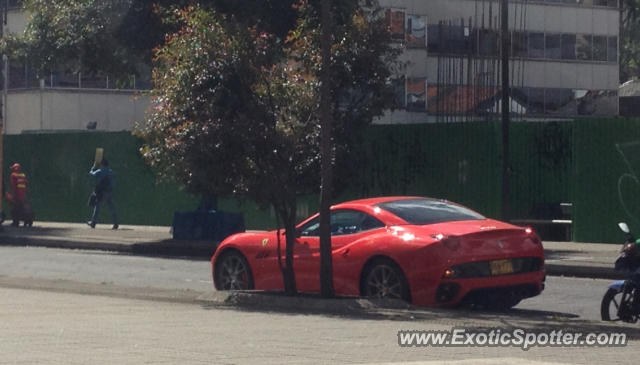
599 48
519 44
416 31
536 45
583 47
488 42
612 49
395 23
459 39
552 47
433 38
568 46
417 94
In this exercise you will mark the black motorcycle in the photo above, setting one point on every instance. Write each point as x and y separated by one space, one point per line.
622 301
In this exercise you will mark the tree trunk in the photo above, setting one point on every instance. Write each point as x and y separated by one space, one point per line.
288 214
326 264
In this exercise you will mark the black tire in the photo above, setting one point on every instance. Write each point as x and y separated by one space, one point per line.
383 279
232 272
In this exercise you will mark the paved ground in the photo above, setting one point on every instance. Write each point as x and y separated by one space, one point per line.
44 327
52 325
562 258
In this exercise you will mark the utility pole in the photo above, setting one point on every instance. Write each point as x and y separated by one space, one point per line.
326 154
504 35
3 23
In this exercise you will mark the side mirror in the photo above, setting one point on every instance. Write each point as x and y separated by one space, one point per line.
624 227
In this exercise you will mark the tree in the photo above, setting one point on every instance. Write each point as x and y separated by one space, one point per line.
629 35
73 35
118 36
235 109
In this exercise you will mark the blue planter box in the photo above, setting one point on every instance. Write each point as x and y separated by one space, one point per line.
206 225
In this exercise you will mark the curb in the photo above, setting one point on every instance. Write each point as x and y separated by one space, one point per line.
203 250
194 249
592 272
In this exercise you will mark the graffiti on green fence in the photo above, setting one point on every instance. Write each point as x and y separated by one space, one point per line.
630 177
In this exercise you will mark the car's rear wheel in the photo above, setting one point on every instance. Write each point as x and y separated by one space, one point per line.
233 272
384 279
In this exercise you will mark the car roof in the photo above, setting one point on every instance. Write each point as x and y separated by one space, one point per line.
375 201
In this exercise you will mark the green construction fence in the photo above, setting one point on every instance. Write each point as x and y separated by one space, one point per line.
589 163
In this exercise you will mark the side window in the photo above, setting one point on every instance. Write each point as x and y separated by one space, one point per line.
370 223
350 221
342 222
311 228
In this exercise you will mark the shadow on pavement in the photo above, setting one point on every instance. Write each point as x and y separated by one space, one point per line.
365 309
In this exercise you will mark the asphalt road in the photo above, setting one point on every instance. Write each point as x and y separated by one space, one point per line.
571 297
44 327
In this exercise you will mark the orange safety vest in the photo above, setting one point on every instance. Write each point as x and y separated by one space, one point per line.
19 183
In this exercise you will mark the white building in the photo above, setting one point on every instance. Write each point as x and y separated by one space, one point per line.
564 64
564 58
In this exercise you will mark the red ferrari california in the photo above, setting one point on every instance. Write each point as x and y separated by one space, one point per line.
426 251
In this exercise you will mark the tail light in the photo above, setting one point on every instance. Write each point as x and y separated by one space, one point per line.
532 235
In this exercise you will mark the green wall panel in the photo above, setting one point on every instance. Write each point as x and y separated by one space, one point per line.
456 161
57 167
607 153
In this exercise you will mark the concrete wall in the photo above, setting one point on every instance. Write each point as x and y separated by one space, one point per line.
16 21
72 109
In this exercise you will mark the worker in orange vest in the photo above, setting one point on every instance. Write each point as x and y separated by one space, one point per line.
17 197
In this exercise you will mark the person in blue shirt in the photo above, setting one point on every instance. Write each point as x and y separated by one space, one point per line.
103 190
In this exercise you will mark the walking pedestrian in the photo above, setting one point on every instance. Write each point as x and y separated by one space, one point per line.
103 191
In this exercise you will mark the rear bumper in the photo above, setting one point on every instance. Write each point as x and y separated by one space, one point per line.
450 292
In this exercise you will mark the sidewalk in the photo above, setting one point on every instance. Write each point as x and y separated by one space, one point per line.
140 240
592 260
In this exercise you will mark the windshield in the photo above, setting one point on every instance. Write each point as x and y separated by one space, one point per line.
429 211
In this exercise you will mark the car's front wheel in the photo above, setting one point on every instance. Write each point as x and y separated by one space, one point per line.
232 272
384 279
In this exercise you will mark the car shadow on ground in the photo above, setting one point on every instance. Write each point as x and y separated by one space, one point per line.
366 309
471 320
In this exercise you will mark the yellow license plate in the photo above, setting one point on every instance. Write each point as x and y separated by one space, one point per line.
501 267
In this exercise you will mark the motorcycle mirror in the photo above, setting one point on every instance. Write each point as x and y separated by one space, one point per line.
624 227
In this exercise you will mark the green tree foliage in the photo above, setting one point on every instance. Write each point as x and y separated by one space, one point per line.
75 35
235 109
118 36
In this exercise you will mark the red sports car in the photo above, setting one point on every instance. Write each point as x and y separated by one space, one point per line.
429 252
